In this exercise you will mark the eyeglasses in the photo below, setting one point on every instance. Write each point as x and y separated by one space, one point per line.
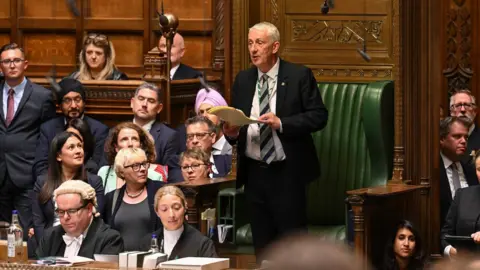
136 166
68 101
194 167
61 213
467 106
200 136
8 62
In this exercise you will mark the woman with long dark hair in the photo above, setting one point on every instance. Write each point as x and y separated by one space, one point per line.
81 128
65 162
404 249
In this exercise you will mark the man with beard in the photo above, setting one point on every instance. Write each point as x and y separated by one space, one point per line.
24 108
462 104
453 173
71 100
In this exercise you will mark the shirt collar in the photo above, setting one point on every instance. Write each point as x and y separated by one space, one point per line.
18 89
218 145
446 161
173 70
147 126
273 72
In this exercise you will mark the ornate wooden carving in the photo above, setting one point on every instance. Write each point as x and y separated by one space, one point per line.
274 13
459 45
354 73
337 31
155 65
219 57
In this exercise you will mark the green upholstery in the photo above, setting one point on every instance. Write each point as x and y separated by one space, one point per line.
355 150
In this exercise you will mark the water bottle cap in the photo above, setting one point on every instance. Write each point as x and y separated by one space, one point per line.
15 212
154 235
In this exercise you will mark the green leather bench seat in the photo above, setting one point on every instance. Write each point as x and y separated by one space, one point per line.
355 150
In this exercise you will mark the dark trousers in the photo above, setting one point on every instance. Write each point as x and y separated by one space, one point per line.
14 198
276 203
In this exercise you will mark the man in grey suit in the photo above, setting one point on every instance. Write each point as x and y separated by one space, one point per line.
24 107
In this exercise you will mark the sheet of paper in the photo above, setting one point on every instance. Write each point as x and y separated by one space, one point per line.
233 116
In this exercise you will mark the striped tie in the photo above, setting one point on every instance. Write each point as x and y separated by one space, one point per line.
267 148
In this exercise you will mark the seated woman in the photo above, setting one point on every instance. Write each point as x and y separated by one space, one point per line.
131 206
81 128
404 248
125 135
65 162
195 165
97 60
463 215
177 238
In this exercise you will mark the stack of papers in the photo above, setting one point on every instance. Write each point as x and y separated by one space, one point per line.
198 263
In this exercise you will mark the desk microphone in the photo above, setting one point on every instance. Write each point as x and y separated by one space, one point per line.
73 7
364 54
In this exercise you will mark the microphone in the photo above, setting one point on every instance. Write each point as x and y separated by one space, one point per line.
325 8
73 7
364 54
204 84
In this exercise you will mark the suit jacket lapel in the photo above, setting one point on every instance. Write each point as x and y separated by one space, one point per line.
58 245
155 131
281 87
26 95
1 103
88 243
249 92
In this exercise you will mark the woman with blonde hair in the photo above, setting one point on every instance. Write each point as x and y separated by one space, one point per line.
97 60
177 238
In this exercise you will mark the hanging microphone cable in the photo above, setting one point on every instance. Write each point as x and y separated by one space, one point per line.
363 51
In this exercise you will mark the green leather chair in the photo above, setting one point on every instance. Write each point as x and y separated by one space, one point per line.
355 150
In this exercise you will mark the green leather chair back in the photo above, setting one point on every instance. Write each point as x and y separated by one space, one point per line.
355 149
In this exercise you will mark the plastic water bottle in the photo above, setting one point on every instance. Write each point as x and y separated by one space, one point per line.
154 244
15 240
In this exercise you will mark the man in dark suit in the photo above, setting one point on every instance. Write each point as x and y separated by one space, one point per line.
24 108
462 103
453 173
178 71
72 103
82 232
146 105
276 159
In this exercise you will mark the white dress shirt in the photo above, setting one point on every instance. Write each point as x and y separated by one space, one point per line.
73 244
147 126
253 133
170 239
173 70
17 96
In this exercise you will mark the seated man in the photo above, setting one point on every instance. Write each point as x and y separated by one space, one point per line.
82 232
146 105
178 71
72 103
201 134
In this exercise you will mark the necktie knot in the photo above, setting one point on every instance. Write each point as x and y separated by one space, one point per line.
264 78
11 92
454 166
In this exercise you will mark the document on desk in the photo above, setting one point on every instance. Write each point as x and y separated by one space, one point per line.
72 261
234 116
197 263
223 230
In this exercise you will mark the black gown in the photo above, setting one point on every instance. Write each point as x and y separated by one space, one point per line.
100 239
191 243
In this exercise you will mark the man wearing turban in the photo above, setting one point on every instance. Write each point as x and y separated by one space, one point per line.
82 232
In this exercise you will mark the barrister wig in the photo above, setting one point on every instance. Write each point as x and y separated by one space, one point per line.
101 41
86 192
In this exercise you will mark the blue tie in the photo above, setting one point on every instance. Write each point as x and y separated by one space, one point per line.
267 148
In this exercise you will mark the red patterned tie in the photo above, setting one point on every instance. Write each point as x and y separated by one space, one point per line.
10 106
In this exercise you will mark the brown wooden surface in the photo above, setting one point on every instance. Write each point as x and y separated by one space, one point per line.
383 191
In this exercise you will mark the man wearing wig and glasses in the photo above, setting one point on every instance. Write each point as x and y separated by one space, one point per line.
462 104
25 106
97 60
82 232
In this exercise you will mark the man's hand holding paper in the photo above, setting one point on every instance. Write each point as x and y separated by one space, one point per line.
272 120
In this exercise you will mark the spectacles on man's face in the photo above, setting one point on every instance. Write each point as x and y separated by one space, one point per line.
136 166
467 106
15 61
200 136
68 101
193 167
70 212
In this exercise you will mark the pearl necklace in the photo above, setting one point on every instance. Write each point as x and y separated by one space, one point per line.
134 195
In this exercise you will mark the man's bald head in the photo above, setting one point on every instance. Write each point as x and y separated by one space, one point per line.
178 48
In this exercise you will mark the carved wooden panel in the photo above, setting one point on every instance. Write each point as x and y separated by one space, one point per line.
114 9
4 38
5 10
191 9
44 9
198 52
41 49
128 49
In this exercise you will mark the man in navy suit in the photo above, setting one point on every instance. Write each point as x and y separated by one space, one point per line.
201 133
72 103
146 105
24 107
277 158
178 71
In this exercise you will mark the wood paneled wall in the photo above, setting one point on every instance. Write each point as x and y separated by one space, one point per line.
50 33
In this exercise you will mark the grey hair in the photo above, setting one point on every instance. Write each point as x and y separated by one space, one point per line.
272 30
202 120
462 91
123 156
149 86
